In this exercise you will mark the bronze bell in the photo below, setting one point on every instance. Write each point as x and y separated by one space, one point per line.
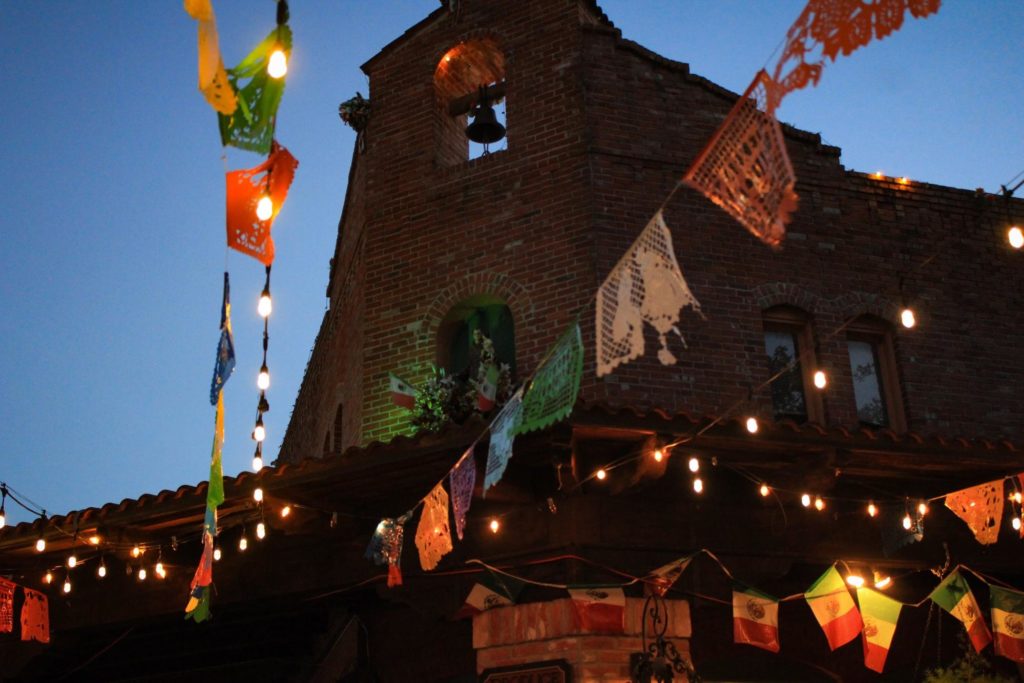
485 128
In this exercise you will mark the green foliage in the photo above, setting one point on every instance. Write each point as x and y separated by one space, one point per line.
969 666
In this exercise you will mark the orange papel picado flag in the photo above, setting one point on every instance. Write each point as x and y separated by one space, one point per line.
249 217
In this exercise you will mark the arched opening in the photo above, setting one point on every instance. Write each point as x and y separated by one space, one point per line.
337 431
459 335
458 78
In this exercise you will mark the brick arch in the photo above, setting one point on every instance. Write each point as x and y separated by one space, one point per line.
855 304
772 294
488 282
476 34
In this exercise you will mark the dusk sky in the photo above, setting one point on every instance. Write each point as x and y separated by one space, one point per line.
112 246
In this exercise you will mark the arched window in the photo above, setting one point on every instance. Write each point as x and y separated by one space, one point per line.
458 79
789 345
457 351
876 387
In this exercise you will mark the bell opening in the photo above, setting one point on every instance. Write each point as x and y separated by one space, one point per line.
485 128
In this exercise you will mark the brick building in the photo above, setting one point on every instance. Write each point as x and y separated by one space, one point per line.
433 243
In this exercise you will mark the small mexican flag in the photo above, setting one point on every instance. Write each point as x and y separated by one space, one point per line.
880 614
834 608
755 619
402 393
488 390
493 590
954 596
1008 622
599 609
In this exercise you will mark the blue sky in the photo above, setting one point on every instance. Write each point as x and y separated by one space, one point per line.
112 240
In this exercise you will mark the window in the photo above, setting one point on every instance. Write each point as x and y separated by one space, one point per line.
873 370
339 415
456 350
789 344
466 71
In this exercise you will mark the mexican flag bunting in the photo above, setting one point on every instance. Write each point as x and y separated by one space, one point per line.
755 619
954 595
1008 622
492 590
198 607
834 608
251 125
880 615
659 580
35 616
213 77
599 609
7 605
488 390
402 393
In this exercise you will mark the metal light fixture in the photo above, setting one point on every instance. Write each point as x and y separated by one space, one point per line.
660 660
485 128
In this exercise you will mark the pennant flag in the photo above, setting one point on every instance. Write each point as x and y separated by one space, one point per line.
826 27
198 606
503 430
433 536
462 479
386 546
981 509
225 364
6 605
954 595
247 232
599 609
1008 622
660 580
402 393
645 286
492 590
213 78
488 390
755 619
553 390
251 125
834 608
880 615
35 617
745 169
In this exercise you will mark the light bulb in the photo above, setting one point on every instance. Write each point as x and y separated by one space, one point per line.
72 561
752 425
40 544
243 543
286 510
819 504
805 500
494 526
1016 237
694 465
264 208
882 582
48 577
820 380
160 571
142 574
94 540
907 522
659 455
872 510
263 379
102 571
3 518
855 580
136 551
764 490
922 508
903 180
265 305
698 485
257 465
67 585
277 67
1016 523
1017 497
257 495
601 474
216 554
907 318
259 433
261 531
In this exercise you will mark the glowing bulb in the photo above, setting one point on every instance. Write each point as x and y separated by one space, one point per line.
160 571
882 582
855 580
136 551
3 518
1016 497
494 526
263 379
601 474
286 510
872 510
903 180
257 465
257 495
72 561
264 208
261 531
48 577
142 574
805 500
1016 237
764 490
94 539
243 543
877 175
698 485
694 465
265 305
278 64
752 425
659 455
40 544
102 571
1016 523
907 318
907 522
259 433
216 554
67 585
922 508
820 380
819 504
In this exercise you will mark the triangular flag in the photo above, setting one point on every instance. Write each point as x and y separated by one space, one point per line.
981 509
880 614
385 546
213 78
35 617
660 580
499 451
553 390
246 189
197 608
599 609
492 590
402 393
462 480
225 363
834 608
954 595
488 391
646 286
755 619
1007 622
433 536
251 125
7 605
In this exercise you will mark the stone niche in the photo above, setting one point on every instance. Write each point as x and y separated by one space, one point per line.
506 637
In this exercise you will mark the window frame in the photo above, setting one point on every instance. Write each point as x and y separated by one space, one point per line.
879 334
796 322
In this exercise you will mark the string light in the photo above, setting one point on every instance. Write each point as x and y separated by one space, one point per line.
67 585
601 474
752 425
1017 497
243 542
48 577
878 175
872 510
907 318
819 504
3 505
136 551
257 464
903 180
1016 237
257 495
907 522
698 485
72 561
764 490
855 580
922 508
820 380
40 544
659 455
263 379
882 581
94 540
259 433
216 554
1016 523
264 208
160 571
805 500
265 305
261 531
494 525
277 67
101 571
694 465
286 510
142 574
